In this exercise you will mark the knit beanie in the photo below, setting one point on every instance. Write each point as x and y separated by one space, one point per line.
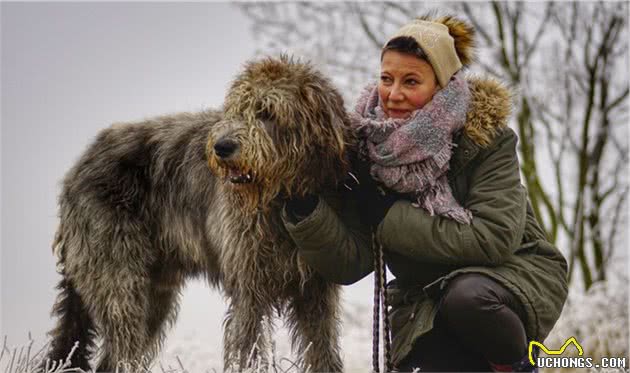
437 43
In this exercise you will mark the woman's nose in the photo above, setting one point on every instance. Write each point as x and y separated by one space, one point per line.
396 93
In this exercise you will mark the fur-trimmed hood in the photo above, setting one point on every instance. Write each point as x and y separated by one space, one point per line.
490 109
491 103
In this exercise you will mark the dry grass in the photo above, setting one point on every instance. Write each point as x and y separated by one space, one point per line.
25 359
598 319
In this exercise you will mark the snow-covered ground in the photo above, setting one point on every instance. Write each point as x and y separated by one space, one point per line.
197 350
197 338
598 319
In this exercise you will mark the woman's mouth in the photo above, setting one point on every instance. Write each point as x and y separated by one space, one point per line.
398 113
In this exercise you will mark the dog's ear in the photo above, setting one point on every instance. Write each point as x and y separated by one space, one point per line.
340 128
335 119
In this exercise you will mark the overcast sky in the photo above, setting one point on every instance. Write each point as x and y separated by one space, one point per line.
71 69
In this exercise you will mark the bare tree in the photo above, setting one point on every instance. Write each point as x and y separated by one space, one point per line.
590 109
506 30
343 38
567 62
563 57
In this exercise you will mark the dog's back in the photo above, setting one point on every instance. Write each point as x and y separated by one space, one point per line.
132 214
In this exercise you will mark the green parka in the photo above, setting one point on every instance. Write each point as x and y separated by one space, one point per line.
424 252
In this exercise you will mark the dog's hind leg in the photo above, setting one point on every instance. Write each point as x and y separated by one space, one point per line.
163 311
164 300
313 322
124 311
164 306
121 291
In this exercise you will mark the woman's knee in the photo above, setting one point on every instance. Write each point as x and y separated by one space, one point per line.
466 295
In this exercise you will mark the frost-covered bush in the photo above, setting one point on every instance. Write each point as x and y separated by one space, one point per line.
598 319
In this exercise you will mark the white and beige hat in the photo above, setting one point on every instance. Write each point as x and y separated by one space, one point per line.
442 49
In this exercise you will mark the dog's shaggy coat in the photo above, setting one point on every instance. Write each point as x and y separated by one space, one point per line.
152 204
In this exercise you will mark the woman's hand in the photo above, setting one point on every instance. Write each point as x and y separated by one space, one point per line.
299 208
383 200
374 200
374 203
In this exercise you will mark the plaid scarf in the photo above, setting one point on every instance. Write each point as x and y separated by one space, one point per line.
412 155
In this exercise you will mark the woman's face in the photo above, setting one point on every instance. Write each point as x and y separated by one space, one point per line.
407 83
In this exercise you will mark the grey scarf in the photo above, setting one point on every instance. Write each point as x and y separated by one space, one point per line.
412 155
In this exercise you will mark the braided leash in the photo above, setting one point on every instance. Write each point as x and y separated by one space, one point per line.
385 307
377 303
380 302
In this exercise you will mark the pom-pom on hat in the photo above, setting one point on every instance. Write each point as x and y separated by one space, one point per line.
447 42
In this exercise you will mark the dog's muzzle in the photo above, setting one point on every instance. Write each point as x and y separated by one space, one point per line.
225 149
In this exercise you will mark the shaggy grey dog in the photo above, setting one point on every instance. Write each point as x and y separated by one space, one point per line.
152 204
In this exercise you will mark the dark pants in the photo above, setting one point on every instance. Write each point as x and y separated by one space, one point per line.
478 321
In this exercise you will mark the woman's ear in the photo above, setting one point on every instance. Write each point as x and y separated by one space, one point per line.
437 87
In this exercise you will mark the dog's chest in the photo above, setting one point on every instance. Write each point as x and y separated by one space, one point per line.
255 254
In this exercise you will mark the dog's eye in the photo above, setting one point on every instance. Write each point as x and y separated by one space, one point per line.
268 121
269 126
264 115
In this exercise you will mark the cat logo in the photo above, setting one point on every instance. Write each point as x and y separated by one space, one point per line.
553 352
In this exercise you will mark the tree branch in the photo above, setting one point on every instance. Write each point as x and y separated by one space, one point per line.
616 101
478 28
529 49
366 28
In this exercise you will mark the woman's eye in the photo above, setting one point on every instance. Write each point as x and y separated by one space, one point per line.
412 82
385 79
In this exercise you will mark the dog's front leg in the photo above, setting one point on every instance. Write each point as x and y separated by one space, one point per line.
245 344
314 325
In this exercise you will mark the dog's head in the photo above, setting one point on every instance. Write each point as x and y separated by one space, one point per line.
284 133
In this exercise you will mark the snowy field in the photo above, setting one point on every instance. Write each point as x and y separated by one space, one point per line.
598 319
199 351
198 344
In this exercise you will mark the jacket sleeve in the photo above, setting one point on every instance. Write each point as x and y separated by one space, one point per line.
497 201
331 239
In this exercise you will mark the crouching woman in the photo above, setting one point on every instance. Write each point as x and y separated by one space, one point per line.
439 187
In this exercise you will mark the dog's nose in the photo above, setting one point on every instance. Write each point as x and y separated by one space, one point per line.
225 148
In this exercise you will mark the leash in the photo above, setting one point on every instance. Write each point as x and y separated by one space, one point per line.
380 303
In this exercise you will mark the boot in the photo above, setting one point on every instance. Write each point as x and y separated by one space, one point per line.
523 365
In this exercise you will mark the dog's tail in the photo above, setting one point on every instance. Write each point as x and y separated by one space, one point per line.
74 323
